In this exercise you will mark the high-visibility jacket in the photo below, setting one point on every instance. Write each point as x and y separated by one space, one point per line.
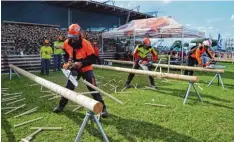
58 51
141 53
199 52
46 52
85 54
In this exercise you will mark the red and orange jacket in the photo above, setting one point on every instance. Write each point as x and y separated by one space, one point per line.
199 52
85 54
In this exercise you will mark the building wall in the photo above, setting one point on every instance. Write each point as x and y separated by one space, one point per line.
34 12
45 13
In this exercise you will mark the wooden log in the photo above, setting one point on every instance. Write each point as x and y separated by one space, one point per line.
75 97
101 91
86 93
174 66
8 94
7 108
27 112
4 99
47 96
15 109
151 73
8 100
55 97
76 108
155 105
15 101
228 60
26 122
47 128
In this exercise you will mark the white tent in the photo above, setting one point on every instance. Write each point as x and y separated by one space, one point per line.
159 27
163 27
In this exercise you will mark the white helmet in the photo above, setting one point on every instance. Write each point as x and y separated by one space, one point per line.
206 43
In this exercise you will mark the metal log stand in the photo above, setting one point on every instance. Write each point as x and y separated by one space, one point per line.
219 80
10 73
91 116
188 90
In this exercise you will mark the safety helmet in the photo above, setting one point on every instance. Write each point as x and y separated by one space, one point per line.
206 43
46 41
74 31
146 41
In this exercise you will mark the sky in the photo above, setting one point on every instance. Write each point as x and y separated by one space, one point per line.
212 17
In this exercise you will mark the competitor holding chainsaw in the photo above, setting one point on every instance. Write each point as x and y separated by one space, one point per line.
140 54
195 56
80 60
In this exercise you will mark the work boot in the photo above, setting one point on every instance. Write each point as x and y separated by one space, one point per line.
154 87
58 109
104 113
127 85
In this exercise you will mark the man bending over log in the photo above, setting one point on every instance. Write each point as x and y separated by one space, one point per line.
81 56
140 54
195 56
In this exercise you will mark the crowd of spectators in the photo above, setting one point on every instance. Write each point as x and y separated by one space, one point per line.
28 38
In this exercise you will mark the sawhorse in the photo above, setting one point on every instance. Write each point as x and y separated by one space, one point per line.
91 116
188 90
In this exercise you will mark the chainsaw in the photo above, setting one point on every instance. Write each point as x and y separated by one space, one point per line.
144 65
69 75
212 65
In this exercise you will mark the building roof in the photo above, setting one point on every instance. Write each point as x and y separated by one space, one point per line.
99 7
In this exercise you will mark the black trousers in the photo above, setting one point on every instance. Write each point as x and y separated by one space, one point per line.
88 76
191 62
131 75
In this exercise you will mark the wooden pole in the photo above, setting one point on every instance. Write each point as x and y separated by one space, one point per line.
75 97
150 73
26 122
174 66
229 60
101 91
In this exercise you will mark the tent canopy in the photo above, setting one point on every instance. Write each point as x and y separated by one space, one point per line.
159 27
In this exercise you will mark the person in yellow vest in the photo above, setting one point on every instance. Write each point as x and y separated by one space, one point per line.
58 51
46 53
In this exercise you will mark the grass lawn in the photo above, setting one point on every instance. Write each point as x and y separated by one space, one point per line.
210 120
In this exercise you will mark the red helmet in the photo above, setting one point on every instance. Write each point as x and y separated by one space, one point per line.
146 41
74 31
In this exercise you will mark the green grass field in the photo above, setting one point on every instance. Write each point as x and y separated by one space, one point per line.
210 120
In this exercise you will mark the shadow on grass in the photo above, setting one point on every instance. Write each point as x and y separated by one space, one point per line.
7 128
173 92
215 83
226 74
130 129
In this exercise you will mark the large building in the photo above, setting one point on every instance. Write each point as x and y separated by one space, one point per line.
89 14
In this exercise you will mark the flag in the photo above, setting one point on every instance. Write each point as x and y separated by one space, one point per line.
210 38
219 42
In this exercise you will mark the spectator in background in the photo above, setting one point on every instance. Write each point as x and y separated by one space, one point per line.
58 50
46 53
96 50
